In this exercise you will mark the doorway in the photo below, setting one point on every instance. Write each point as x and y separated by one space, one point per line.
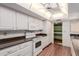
58 33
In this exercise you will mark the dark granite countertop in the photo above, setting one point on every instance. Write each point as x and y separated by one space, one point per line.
8 42
4 43
41 34
74 34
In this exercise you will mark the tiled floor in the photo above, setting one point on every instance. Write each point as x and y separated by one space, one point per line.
56 50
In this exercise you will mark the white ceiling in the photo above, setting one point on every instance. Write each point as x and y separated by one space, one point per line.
57 10
71 10
52 7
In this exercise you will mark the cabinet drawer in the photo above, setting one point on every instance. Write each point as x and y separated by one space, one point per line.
23 52
23 45
13 49
9 50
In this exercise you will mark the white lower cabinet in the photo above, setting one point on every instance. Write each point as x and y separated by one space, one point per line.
24 49
23 45
9 50
44 42
27 51
48 30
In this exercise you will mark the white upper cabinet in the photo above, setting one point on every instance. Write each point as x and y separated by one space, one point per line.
7 19
32 23
22 21
40 25
35 24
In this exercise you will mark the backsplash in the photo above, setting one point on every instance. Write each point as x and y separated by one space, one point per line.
17 33
9 34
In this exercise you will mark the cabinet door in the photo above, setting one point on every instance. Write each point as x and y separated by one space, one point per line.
44 42
48 30
22 21
7 19
35 24
27 51
9 50
23 45
40 25
32 23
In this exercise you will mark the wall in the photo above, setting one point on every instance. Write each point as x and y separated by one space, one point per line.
74 26
66 36
66 33
52 32
10 34
74 29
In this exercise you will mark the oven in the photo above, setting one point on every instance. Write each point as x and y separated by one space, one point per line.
37 46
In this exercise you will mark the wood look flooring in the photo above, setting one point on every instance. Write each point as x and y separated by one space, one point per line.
56 50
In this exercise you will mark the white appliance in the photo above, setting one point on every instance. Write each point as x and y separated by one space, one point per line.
37 42
37 46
